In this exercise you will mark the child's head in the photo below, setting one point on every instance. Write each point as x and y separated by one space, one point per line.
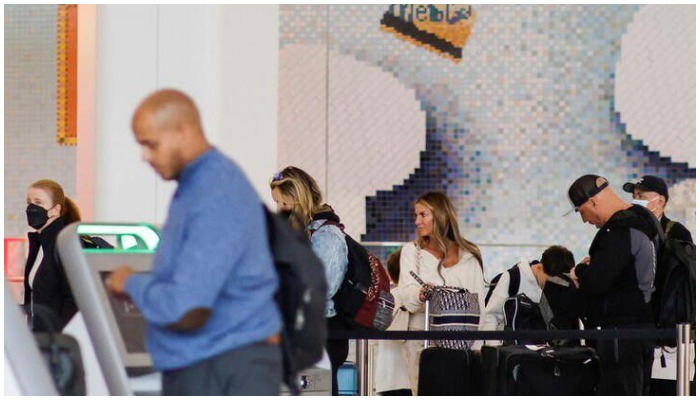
393 265
557 260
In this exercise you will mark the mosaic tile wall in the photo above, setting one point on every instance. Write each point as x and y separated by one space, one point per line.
542 95
31 150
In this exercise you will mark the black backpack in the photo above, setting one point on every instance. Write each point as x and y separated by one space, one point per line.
520 312
364 299
514 274
301 298
674 297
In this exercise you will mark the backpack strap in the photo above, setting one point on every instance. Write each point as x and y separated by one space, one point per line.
492 286
514 284
514 277
669 226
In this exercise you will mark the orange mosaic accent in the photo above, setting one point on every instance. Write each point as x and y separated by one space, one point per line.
67 75
440 28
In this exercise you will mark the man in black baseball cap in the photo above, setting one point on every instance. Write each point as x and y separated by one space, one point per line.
648 183
616 282
583 189
651 192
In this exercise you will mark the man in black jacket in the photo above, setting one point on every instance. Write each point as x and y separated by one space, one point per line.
617 281
652 192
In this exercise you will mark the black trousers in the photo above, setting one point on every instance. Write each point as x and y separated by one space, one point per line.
625 366
337 349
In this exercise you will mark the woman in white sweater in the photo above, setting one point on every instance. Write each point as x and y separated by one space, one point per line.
441 256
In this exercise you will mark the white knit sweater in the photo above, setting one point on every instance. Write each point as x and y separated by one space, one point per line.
465 274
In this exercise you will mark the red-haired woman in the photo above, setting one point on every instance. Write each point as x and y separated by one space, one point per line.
49 210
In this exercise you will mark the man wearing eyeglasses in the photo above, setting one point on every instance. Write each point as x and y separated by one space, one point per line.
617 281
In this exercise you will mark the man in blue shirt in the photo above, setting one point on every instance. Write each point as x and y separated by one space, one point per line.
213 324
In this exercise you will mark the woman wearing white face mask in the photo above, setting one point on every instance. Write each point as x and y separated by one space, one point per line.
651 192
49 210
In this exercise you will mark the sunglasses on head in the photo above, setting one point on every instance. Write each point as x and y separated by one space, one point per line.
277 177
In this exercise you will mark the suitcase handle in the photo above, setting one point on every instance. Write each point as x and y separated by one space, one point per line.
427 321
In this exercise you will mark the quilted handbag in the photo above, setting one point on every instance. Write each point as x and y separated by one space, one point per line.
451 309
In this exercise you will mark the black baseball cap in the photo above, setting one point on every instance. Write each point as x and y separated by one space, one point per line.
584 188
648 183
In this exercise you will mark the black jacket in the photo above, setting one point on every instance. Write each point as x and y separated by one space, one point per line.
618 283
563 302
50 287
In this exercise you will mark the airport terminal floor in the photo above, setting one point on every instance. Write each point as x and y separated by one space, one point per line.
350 200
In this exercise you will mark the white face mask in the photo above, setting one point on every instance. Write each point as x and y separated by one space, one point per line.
640 202
644 203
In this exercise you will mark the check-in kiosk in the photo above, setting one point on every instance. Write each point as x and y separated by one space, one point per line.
26 372
116 328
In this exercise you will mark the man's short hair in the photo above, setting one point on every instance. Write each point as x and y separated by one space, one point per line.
393 266
557 260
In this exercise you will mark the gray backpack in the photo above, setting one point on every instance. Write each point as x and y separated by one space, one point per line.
301 298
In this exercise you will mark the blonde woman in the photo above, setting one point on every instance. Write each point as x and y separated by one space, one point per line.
298 196
440 255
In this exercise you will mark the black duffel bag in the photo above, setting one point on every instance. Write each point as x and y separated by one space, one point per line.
548 371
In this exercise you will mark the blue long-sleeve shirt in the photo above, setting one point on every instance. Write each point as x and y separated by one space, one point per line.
213 254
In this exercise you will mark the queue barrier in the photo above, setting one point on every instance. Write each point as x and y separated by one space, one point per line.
683 334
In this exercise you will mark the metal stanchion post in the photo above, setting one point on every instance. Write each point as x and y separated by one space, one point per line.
362 351
683 361
686 359
371 360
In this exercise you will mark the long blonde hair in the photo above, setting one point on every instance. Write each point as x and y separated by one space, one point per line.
69 211
445 226
303 190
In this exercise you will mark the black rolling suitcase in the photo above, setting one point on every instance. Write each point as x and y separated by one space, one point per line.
444 372
517 370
